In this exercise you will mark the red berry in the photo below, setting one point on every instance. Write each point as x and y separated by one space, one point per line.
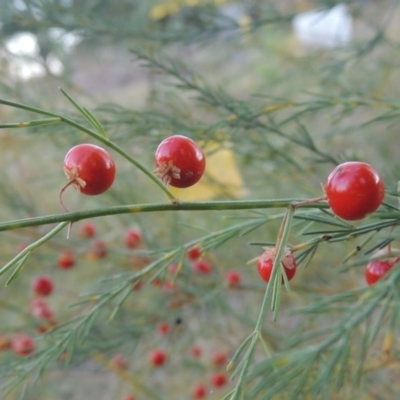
89 168
22 344
98 250
163 328
219 358
203 267
219 379
194 253
42 285
133 238
266 262
354 190
119 362
233 278
173 268
180 161
199 391
66 259
129 397
39 309
87 230
158 357
196 351
375 269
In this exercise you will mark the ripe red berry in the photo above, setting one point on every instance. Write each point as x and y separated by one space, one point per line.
158 357
266 262
233 278
375 269
89 168
194 253
196 351
219 379
98 250
163 328
199 391
133 238
22 344
42 285
180 161
219 358
40 309
203 267
66 259
119 362
354 190
87 230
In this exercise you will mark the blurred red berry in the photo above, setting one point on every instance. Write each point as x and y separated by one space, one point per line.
119 362
219 358
129 397
133 238
202 266
194 253
98 250
199 391
43 328
219 379
42 285
22 344
172 268
158 357
66 259
39 309
233 278
137 285
163 328
169 286
196 351
87 230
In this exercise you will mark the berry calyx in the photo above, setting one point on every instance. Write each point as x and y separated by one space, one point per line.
376 269
42 285
89 168
354 190
266 262
158 357
22 344
180 161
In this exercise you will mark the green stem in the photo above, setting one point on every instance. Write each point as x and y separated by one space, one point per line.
95 135
151 207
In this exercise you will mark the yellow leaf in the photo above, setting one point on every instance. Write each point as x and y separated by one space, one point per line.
221 178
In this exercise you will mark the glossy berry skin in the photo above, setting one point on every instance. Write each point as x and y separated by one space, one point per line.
42 285
180 161
22 344
158 357
66 259
133 238
199 391
219 379
266 262
376 269
203 267
354 190
89 168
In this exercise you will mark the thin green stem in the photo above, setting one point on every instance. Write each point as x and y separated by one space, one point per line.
151 207
95 135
